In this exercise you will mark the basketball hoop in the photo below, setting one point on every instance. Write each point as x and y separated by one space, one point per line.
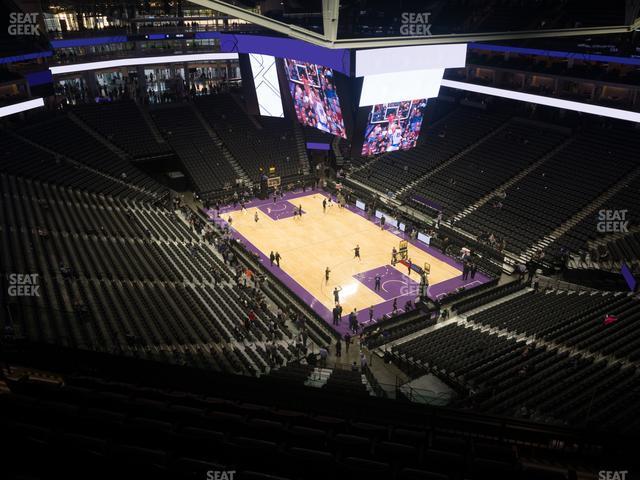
273 182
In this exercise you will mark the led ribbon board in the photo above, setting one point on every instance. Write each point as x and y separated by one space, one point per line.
129 62
21 107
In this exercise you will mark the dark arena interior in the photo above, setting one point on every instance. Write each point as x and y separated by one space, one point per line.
320 239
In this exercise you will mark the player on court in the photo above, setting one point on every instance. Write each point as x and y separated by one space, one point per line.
324 205
356 252
377 282
255 217
326 275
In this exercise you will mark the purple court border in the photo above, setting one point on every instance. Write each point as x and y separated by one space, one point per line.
379 310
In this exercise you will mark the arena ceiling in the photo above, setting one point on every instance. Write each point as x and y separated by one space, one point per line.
330 13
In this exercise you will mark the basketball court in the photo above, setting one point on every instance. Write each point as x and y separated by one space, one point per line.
320 239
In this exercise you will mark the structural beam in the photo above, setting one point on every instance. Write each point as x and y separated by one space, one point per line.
292 31
476 37
330 15
330 41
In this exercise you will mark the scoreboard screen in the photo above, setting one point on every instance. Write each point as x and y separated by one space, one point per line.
314 95
393 126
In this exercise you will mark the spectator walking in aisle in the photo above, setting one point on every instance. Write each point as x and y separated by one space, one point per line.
347 342
363 360
338 348
521 269
438 220
371 313
324 353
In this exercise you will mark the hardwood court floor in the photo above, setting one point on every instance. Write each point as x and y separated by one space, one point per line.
321 240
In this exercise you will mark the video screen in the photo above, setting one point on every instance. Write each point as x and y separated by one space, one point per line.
265 80
393 126
314 96
399 86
